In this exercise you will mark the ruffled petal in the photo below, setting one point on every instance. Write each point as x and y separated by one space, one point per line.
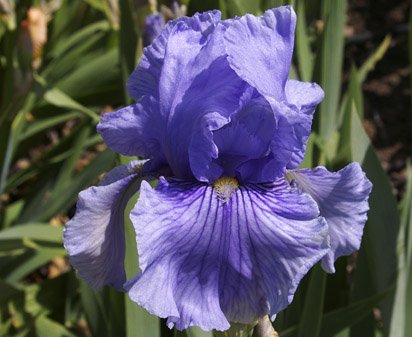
247 137
206 86
255 144
94 237
202 149
207 261
304 97
260 49
153 26
145 78
193 82
343 201
133 130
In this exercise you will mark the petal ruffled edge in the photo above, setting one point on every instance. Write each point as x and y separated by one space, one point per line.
343 201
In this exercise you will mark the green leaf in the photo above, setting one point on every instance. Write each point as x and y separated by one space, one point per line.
241 7
311 319
197 332
41 298
47 123
383 224
65 195
353 100
139 323
330 65
274 3
82 81
337 320
401 323
95 310
7 292
33 231
129 39
362 289
340 319
10 131
308 159
374 58
65 18
58 98
55 155
68 168
45 327
69 53
30 261
6 148
355 88
304 54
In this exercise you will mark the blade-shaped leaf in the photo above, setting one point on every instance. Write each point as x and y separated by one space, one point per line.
401 323
330 65
45 327
33 231
304 54
139 323
59 98
339 319
383 223
311 319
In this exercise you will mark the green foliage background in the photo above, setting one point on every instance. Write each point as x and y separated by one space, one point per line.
89 54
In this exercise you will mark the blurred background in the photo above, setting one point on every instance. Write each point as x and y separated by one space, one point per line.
63 63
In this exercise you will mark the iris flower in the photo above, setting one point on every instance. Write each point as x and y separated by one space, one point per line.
233 225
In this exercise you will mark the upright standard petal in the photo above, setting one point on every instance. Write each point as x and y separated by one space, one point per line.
206 261
304 98
94 237
206 86
343 201
260 49
145 78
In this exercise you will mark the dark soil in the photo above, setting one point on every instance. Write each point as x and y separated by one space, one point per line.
387 90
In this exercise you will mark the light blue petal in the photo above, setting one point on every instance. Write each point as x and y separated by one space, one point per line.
153 26
94 237
304 97
260 49
206 262
343 201
206 86
192 81
133 130
145 78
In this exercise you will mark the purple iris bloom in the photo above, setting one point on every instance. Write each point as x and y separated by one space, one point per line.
232 225
153 26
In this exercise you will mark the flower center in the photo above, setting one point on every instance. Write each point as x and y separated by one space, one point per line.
225 186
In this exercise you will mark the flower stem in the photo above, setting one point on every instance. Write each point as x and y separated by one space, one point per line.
263 328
